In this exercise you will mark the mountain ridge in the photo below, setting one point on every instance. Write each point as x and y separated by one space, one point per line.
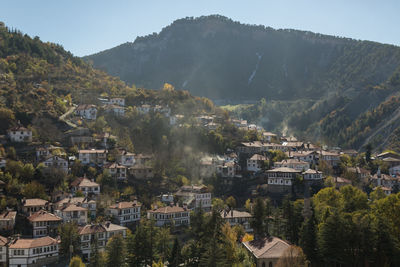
216 57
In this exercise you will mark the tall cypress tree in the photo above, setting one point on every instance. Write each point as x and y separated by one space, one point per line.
258 222
214 254
308 238
115 250
96 258
176 257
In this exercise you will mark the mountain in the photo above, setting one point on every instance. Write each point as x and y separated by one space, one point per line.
314 85
218 58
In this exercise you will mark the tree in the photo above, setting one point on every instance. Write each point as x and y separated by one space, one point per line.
332 239
353 198
34 190
69 237
76 262
308 238
368 150
175 258
163 243
214 254
258 221
115 251
292 215
231 202
218 204
96 257
141 245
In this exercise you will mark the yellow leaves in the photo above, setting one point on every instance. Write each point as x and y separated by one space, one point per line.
247 238
168 87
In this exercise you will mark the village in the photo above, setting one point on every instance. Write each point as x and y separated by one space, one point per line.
271 166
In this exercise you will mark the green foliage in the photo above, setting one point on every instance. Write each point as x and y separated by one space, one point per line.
115 251
259 218
69 237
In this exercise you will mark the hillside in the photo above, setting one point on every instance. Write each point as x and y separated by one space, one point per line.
314 84
41 81
221 59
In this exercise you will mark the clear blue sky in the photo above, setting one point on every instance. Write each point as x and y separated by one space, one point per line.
88 26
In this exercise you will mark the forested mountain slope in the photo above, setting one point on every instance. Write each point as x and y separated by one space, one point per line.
316 86
216 57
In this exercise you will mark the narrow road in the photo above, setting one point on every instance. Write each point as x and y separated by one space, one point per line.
63 117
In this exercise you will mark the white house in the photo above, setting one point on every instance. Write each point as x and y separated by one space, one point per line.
117 101
93 156
255 163
100 232
195 196
7 220
227 169
126 158
33 252
86 186
281 176
117 171
333 158
73 213
42 152
20 134
169 215
117 110
125 212
267 136
312 175
144 109
3 251
86 111
56 162
44 223
33 205
235 217
84 202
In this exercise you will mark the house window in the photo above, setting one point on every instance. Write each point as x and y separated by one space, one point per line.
270 264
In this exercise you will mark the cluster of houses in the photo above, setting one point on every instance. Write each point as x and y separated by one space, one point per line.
80 205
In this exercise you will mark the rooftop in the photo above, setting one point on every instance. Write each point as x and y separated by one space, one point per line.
43 216
267 248
35 202
33 243
125 205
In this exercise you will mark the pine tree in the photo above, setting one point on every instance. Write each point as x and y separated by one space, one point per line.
258 222
332 239
163 243
115 251
96 257
176 257
214 254
69 238
308 238
141 245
